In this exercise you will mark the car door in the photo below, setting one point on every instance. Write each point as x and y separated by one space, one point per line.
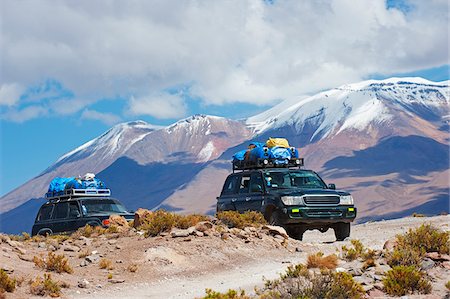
228 197
243 194
74 220
255 196
60 214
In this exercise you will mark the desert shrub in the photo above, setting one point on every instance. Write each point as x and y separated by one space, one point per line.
84 254
60 238
354 252
105 264
44 287
301 283
402 280
447 285
368 263
53 262
404 256
230 294
133 268
162 221
418 215
7 283
317 260
425 238
238 220
110 276
89 231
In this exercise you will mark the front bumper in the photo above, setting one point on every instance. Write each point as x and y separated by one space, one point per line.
312 215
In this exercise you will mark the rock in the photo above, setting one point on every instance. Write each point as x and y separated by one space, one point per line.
119 262
92 258
120 222
381 269
83 284
191 230
203 226
51 248
235 231
427 264
446 265
364 280
116 280
42 245
199 234
177 233
27 258
376 293
118 247
112 242
85 241
225 236
276 230
340 269
355 271
368 287
7 269
71 248
84 263
390 244
298 249
436 256
139 217
20 250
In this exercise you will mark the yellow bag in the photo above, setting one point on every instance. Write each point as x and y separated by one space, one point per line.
282 142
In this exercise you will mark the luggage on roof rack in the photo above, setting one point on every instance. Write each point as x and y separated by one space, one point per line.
75 187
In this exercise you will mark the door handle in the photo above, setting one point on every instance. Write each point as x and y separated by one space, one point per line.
247 198
233 199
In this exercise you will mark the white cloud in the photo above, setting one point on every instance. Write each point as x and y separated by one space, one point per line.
10 93
106 118
25 114
161 105
227 51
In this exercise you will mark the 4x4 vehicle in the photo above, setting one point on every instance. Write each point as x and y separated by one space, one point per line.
76 208
288 196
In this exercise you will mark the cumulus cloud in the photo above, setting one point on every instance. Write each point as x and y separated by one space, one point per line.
227 51
10 93
25 114
160 105
106 118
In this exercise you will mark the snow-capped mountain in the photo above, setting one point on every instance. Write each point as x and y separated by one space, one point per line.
386 141
356 106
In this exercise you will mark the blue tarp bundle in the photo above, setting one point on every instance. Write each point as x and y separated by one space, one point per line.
58 184
261 151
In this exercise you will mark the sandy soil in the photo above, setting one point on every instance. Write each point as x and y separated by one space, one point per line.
184 267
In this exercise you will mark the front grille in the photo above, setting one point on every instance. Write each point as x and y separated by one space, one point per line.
321 200
322 213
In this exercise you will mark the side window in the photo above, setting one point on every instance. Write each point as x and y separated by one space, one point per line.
61 210
230 185
74 211
244 184
45 213
256 183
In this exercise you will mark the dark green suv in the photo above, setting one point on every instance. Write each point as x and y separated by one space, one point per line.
296 199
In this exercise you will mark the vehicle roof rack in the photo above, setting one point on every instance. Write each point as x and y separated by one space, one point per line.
69 194
268 163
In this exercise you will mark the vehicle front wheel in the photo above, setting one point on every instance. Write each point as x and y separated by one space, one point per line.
296 232
274 218
342 231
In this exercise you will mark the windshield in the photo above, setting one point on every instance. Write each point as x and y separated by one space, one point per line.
102 206
293 179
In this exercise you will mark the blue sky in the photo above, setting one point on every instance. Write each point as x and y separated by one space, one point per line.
71 70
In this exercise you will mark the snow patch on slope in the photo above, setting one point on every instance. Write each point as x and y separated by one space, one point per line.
206 152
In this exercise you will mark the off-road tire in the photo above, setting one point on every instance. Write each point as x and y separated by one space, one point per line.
342 231
274 218
296 232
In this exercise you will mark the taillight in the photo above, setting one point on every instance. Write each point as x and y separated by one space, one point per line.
105 222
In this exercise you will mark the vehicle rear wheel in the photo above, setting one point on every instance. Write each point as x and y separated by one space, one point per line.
45 232
342 231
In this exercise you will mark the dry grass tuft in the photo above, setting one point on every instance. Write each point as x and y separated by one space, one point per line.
45 287
317 260
402 280
7 283
133 268
241 220
53 262
105 264
230 294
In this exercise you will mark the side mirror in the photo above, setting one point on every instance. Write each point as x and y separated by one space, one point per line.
332 186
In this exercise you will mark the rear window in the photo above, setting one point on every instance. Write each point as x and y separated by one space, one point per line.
45 213
61 210
102 206
230 185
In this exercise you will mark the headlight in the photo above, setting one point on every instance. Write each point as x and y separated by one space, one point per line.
346 200
292 200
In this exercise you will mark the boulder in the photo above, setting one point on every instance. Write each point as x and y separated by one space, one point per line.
390 244
427 264
116 280
139 217
71 248
446 265
7 269
276 230
120 222
176 233
203 226
436 256
83 284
